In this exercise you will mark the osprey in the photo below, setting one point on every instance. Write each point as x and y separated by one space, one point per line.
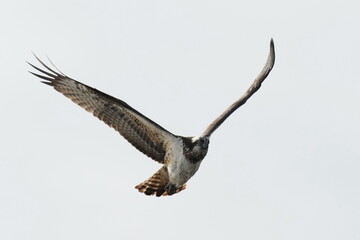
180 156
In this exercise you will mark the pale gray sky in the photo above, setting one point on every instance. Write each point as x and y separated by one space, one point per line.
284 166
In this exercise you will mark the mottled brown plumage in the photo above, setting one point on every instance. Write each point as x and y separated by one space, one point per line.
180 156
144 134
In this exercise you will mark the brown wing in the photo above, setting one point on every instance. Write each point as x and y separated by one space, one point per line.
242 100
144 134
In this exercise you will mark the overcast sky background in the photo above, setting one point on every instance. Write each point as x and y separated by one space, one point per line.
284 166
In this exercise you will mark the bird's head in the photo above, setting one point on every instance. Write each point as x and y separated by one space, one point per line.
201 142
195 148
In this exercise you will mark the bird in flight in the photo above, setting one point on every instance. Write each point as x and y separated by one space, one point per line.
180 156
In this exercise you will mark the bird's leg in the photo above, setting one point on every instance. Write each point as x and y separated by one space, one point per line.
170 188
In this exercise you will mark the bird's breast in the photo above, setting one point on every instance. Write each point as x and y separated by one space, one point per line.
180 169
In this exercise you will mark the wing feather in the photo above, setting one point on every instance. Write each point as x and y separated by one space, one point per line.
143 133
256 84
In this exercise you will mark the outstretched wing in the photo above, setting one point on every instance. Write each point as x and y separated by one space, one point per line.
144 134
242 100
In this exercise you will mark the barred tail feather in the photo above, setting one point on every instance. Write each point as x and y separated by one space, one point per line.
156 184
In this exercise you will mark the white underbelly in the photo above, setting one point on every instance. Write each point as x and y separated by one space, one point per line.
181 170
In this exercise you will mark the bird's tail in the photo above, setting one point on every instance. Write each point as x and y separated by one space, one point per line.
157 183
